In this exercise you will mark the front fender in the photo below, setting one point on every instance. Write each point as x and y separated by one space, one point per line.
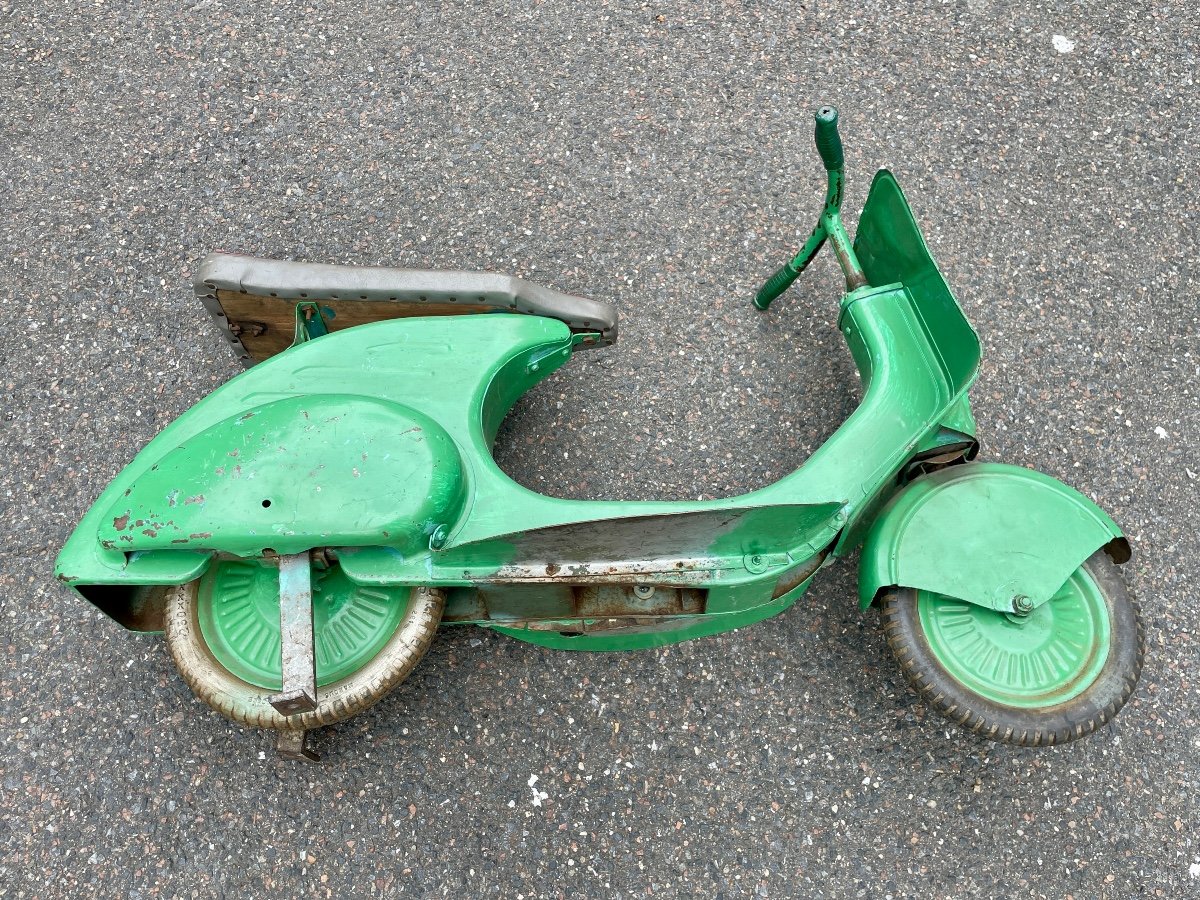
985 533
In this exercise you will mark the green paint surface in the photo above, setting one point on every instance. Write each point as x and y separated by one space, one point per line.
1047 657
238 611
295 473
985 533
394 422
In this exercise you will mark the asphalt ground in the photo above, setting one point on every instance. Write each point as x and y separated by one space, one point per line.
659 157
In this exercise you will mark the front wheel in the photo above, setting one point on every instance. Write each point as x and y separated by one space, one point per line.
1047 678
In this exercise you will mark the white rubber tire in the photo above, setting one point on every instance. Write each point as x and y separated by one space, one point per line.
248 704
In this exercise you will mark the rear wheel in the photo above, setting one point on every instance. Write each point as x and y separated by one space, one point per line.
223 633
1050 677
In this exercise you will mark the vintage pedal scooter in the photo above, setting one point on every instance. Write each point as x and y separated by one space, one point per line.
301 533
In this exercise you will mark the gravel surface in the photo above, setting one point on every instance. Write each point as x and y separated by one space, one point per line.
657 156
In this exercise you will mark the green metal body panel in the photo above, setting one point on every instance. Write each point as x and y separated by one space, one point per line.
464 374
375 442
306 471
986 533
891 249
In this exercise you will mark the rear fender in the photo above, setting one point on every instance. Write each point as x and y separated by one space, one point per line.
985 533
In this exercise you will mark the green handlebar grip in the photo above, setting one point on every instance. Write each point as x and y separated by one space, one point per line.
829 144
776 284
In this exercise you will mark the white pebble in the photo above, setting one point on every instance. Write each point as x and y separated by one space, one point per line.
1062 43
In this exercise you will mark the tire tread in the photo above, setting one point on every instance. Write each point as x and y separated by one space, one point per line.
248 704
986 719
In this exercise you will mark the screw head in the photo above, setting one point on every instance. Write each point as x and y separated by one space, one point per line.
438 539
1022 605
756 563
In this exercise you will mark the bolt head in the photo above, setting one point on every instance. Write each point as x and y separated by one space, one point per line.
438 539
1022 605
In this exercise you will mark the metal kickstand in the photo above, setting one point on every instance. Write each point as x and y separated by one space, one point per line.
293 745
298 693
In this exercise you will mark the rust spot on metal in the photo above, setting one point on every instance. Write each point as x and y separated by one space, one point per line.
219 470
139 523
515 606
248 415
607 625
200 535
234 453
120 522
552 569
794 577
199 498
618 601
172 498
180 541
253 329
150 532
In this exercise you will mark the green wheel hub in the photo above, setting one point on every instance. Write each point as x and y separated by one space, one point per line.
1047 657
238 612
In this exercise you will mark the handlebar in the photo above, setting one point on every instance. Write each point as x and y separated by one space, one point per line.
829 142
829 225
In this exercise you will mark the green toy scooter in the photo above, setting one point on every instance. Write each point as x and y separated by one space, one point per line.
301 533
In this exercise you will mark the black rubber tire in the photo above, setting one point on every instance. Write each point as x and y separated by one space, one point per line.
1043 727
248 704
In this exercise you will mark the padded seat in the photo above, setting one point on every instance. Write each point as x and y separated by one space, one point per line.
253 300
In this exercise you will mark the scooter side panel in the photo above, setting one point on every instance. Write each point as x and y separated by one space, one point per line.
446 365
306 471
